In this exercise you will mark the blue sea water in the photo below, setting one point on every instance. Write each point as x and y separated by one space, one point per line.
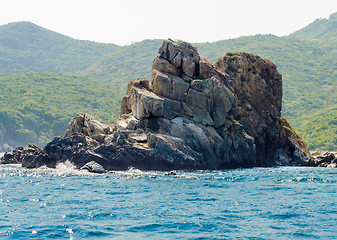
256 203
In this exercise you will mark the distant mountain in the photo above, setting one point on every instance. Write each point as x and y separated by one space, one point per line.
321 29
130 62
307 62
25 46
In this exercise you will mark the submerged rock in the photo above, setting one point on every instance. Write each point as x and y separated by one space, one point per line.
193 114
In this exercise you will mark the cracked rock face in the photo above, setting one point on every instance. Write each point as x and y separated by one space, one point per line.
192 114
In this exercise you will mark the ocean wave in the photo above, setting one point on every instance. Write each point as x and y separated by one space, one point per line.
67 203
294 174
67 168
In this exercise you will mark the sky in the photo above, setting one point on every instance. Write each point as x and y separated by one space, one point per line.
126 21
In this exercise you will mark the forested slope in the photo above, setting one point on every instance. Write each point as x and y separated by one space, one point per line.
25 46
323 30
36 106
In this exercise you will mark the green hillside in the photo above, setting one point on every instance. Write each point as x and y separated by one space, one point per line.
25 46
319 129
35 107
130 62
324 30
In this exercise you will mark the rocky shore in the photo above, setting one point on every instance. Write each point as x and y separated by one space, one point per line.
324 159
193 114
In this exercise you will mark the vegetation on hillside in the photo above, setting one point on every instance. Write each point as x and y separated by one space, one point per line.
130 62
321 29
35 107
25 46
319 129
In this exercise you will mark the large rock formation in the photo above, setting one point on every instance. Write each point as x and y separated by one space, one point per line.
193 114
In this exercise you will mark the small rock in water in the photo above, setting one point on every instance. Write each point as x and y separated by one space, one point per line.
93 167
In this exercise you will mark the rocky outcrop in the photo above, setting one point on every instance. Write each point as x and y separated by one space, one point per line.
193 114
20 155
324 159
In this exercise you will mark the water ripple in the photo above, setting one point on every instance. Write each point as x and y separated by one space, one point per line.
257 203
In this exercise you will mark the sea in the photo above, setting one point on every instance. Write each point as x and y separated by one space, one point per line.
254 203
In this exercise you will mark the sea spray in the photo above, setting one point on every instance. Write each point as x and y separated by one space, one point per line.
67 168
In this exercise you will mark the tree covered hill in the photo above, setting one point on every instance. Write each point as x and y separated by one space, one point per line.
319 129
130 62
308 67
25 46
35 107
324 30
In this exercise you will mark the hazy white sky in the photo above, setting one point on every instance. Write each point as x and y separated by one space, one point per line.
125 21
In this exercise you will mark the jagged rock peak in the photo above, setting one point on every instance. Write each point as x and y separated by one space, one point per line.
178 58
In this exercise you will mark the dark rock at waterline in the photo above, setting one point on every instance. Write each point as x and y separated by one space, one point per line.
171 174
193 114
20 155
324 159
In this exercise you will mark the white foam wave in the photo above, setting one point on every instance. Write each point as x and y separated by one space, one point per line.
65 169
135 171
130 173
